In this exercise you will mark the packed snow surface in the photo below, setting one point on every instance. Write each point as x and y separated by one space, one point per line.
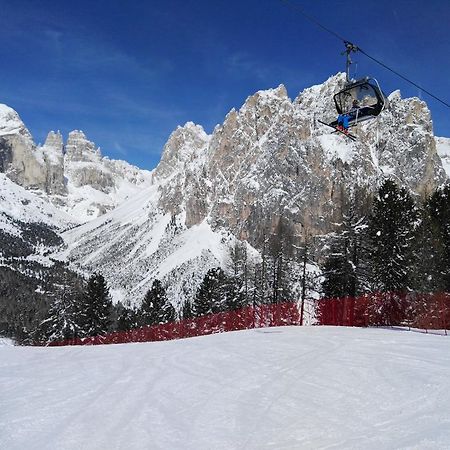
278 388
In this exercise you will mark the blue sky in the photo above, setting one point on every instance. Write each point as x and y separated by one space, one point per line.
127 73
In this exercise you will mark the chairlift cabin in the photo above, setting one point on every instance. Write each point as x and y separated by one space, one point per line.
360 100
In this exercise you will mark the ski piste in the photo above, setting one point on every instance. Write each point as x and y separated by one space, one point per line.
350 136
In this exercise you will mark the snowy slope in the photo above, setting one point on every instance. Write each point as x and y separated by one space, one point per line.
29 228
22 204
280 388
85 203
138 242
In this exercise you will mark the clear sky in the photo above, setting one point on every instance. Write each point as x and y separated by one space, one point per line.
127 73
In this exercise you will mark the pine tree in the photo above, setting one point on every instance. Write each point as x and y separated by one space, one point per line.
261 287
338 274
304 276
156 308
126 318
236 286
428 254
210 296
187 313
438 212
63 320
345 271
391 231
234 294
96 306
280 251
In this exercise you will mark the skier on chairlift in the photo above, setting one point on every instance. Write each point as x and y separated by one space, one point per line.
343 119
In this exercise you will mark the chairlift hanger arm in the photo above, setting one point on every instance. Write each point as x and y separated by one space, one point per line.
349 48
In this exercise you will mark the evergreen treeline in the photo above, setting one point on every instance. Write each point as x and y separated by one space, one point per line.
391 244
84 308
398 246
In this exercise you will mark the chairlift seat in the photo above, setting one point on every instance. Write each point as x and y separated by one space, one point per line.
369 96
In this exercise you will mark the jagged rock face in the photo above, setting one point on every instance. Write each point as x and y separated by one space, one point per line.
76 178
251 165
272 159
407 146
18 158
20 163
443 150
185 145
82 166
183 162
54 158
11 124
79 148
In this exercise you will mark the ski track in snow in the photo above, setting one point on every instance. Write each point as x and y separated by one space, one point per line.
277 388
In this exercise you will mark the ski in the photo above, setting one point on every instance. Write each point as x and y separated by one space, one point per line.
350 136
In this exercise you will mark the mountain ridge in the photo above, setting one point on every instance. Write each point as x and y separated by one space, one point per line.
269 160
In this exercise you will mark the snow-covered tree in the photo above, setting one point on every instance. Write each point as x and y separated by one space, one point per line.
156 308
437 211
187 313
96 306
126 318
211 293
391 231
281 247
63 319
237 284
345 269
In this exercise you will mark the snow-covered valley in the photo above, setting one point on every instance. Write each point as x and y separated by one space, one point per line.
277 388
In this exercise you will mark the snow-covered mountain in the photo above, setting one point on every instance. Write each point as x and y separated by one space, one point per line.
43 191
73 176
269 160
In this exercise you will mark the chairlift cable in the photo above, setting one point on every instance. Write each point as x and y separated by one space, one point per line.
404 78
312 19
346 42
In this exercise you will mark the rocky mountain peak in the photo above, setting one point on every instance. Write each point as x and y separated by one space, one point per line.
185 144
317 101
52 155
260 108
79 148
75 177
266 97
18 157
11 123
55 142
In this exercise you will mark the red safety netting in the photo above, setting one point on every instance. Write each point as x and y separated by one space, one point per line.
425 311
273 315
